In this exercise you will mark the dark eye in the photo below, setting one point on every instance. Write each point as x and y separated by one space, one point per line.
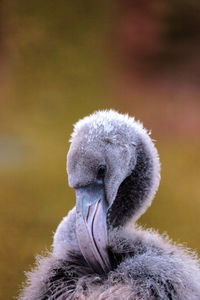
101 172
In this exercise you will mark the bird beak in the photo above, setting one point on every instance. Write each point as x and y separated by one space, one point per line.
91 228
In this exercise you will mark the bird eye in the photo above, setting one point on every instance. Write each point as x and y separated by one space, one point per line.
101 172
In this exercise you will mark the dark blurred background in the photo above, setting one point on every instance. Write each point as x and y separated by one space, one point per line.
60 61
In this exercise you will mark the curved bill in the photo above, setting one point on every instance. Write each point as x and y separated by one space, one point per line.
91 229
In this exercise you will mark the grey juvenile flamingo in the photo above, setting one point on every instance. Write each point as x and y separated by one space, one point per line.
98 251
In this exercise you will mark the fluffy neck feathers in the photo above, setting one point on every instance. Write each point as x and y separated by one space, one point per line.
132 196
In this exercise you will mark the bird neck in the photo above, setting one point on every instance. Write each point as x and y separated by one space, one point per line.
133 191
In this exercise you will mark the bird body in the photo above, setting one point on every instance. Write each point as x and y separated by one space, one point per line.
98 250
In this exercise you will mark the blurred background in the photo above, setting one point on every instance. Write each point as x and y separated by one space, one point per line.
61 60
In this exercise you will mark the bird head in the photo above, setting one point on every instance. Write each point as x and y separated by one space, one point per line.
114 168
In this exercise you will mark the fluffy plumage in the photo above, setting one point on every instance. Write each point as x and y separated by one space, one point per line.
144 265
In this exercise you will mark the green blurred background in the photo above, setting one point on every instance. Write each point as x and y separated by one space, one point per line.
60 61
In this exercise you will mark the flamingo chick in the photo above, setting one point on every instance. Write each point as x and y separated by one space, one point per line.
98 251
